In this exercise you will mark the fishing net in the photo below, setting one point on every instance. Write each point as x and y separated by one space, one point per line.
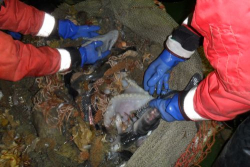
200 145
171 143
150 22
169 140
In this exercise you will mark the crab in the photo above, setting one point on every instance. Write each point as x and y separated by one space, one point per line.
146 57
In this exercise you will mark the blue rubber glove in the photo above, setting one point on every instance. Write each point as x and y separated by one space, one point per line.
168 108
89 53
156 74
68 29
15 35
163 81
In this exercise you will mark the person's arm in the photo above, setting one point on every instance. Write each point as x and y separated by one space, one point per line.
18 60
18 17
224 93
180 45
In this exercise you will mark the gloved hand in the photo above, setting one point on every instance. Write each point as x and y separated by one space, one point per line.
180 46
15 35
67 29
169 108
156 75
90 54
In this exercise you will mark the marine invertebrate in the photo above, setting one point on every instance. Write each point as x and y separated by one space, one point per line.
82 135
114 59
97 152
52 100
146 57
83 156
160 5
132 87
121 107
98 116
108 39
118 82
99 101
10 155
124 104
6 118
126 64
64 112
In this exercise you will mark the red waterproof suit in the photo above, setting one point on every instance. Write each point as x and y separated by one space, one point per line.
17 59
224 93
223 23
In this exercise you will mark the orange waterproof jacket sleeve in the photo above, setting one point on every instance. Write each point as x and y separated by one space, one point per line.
17 59
19 17
224 93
